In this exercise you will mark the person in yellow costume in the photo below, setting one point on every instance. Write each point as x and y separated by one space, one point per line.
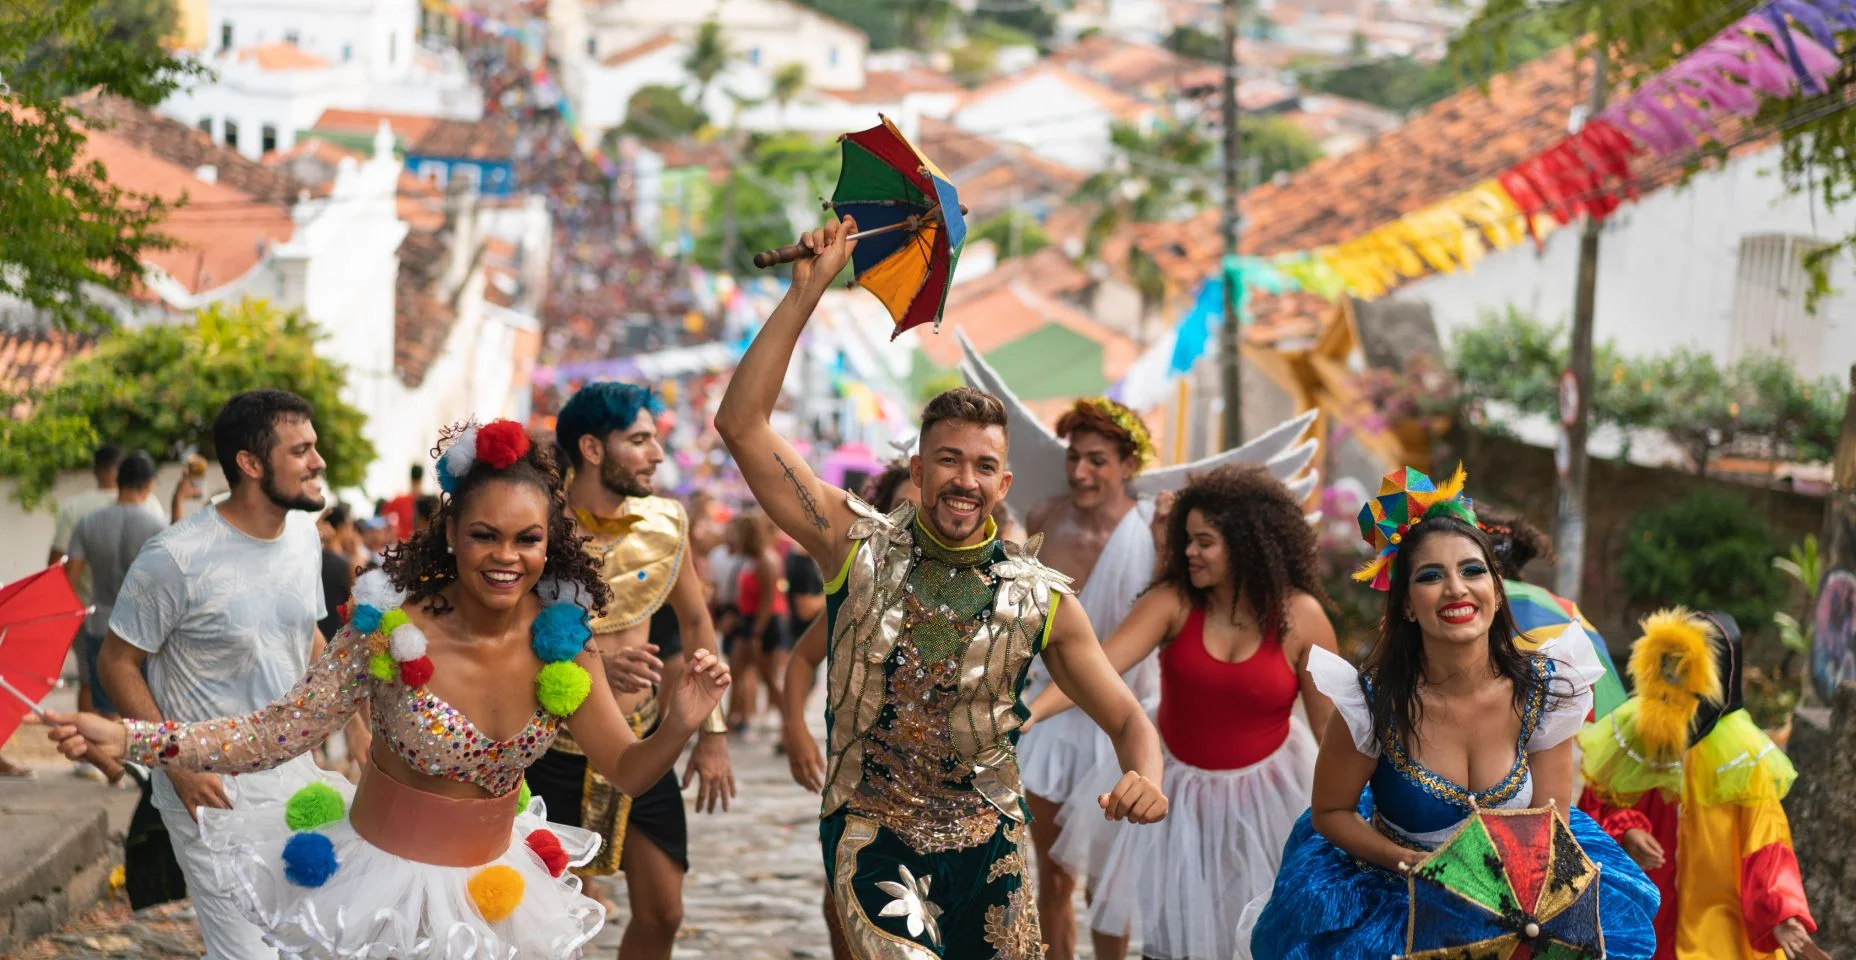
1691 788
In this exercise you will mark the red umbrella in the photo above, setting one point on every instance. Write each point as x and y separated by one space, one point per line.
39 617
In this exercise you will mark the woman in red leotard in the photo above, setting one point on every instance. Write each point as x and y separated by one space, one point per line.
1234 609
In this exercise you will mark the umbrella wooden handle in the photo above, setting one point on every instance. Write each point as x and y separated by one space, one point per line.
786 254
794 251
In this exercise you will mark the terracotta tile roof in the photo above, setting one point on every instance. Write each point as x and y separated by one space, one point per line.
421 321
1117 104
492 138
404 125
224 228
33 360
280 57
1047 272
677 154
1151 72
1012 311
889 86
635 51
1455 144
993 174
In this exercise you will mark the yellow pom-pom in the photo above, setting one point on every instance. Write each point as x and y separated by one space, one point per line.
392 620
382 667
562 687
496 891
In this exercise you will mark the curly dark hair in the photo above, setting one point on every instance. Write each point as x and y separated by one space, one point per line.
1086 417
1514 543
880 490
1267 540
423 565
1395 669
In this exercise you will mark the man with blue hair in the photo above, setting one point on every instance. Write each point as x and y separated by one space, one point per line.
608 436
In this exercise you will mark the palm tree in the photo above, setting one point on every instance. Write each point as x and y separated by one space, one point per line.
708 58
924 22
1152 177
787 82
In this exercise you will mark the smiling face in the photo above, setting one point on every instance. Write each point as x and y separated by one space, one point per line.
961 475
292 475
1097 471
1453 592
1207 562
626 459
500 534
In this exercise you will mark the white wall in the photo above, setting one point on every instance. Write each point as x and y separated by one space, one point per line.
29 533
778 31
381 34
288 101
1668 269
1047 114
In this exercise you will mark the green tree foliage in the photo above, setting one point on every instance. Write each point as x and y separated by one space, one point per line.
708 58
67 227
1189 41
158 388
788 82
882 22
1709 552
1402 84
1152 177
658 112
1015 233
1702 406
777 174
1277 145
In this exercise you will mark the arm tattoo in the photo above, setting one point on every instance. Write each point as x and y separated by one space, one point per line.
806 500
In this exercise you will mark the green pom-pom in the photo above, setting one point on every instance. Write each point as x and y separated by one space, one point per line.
523 796
392 620
382 667
562 687
313 806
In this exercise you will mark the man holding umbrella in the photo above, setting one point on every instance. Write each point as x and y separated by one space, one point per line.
933 623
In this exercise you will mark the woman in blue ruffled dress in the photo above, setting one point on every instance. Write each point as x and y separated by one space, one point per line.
1448 715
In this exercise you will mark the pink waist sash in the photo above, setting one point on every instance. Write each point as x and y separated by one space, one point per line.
426 828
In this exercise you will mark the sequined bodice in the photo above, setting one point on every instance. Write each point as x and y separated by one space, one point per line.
427 733
438 740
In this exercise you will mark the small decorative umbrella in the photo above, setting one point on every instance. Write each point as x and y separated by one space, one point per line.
39 616
1508 885
1544 616
911 224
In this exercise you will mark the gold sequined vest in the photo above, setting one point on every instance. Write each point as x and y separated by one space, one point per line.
980 714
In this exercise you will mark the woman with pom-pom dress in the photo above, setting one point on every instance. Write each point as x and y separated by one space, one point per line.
1449 716
470 644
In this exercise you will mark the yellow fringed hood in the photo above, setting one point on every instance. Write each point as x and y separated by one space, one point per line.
1673 668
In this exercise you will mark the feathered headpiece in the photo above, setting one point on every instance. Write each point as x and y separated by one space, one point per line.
1406 498
1673 668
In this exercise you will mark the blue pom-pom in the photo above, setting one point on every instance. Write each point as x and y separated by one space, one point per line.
560 632
366 619
309 859
446 481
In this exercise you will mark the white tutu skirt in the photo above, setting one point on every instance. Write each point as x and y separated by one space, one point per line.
377 905
1056 755
1183 883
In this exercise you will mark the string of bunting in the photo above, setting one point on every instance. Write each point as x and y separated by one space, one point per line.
1779 49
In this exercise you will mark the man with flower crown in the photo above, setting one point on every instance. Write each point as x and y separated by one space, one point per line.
933 624
640 542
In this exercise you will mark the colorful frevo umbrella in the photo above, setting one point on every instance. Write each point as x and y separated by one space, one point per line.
1508 885
910 225
39 617
1544 616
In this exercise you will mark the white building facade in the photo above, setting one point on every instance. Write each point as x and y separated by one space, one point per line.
766 34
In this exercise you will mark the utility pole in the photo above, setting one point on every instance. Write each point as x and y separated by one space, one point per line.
1576 388
1231 359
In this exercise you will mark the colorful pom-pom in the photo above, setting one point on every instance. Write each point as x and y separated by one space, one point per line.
309 859
559 632
416 673
457 460
496 891
375 589
381 666
393 620
313 806
523 796
562 687
407 643
548 847
366 619
500 443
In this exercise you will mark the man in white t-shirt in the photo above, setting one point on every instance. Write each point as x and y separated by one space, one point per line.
222 607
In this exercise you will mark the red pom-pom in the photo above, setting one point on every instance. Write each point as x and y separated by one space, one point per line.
415 673
501 443
547 846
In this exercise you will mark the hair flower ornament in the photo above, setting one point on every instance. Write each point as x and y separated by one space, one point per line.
499 443
1406 498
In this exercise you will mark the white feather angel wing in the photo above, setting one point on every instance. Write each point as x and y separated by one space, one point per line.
1037 457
